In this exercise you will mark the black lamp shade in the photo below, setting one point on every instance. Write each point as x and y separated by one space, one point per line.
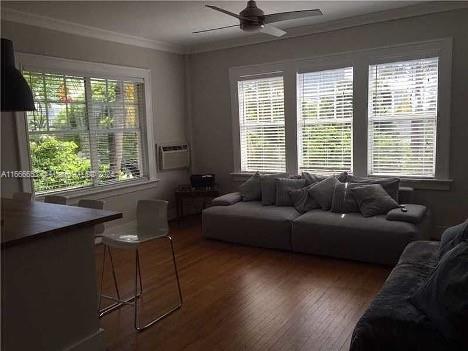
16 93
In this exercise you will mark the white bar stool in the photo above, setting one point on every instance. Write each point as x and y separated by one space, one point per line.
152 224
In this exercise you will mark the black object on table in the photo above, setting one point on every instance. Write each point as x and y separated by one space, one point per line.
183 192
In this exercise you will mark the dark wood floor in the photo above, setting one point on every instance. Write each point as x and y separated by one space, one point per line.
240 298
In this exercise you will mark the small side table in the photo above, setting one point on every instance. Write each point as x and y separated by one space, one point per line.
183 192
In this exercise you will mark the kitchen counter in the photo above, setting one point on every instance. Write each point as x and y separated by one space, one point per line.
23 221
49 290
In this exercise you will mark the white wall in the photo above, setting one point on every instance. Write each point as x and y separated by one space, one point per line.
210 96
208 99
168 83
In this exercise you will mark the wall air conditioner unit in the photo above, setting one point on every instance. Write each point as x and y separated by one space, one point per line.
174 156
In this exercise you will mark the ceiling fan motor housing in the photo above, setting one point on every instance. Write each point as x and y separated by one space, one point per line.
255 17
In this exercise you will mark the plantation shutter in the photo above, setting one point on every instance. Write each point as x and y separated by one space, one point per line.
325 115
85 131
403 118
262 125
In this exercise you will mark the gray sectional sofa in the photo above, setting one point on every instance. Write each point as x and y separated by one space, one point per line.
391 321
348 235
397 320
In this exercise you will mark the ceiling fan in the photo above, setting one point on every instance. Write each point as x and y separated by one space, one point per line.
253 19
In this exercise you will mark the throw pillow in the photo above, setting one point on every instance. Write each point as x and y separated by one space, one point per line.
250 190
373 200
283 186
268 186
391 185
311 178
302 200
443 299
342 176
322 192
343 201
452 237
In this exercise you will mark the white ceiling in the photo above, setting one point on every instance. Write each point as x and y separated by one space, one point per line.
173 21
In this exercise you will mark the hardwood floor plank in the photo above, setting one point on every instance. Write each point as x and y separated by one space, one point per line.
239 298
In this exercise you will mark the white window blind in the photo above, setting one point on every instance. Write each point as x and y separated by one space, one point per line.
325 118
85 131
261 122
403 118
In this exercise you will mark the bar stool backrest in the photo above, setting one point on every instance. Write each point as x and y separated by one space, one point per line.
55 199
22 196
97 205
152 218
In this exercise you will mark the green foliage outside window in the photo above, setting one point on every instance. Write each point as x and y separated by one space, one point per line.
59 131
58 164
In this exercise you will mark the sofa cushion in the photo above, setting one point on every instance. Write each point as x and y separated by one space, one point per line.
268 186
352 236
421 252
226 200
392 323
373 200
405 195
322 192
414 213
251 190
283 187
452 237
250 223
343 201
302 200
390 185
311 178
444 297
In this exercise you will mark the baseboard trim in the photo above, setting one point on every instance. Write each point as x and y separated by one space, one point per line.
93 342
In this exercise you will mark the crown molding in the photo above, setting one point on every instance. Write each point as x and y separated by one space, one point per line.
348 22
425 8
12 15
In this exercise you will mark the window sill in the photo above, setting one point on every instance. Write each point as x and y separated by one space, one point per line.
427 184
415 183
106 191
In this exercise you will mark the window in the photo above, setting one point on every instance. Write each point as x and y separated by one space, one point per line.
85 132
325 117
373 112
403 118
262 124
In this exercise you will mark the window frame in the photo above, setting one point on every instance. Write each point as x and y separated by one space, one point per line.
383 119
246 126
96 70
360 60
314 69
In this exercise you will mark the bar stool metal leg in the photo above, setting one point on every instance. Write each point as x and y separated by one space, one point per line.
176 271
102 278
118 302
138 271
114 276
134 300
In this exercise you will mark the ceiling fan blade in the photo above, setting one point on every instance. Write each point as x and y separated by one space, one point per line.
284 16
228 13
223 11
212 29
272 30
